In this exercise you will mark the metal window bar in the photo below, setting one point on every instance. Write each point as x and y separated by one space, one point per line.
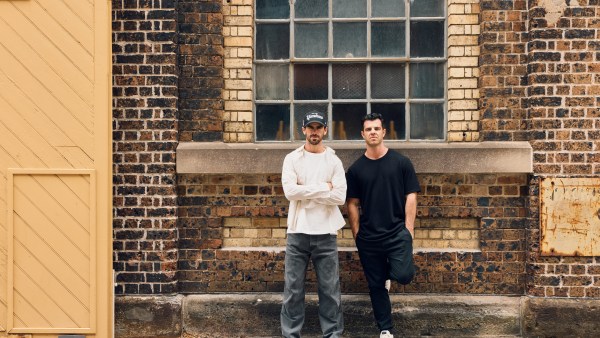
369 60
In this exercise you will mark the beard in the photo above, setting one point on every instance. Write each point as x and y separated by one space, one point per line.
314 139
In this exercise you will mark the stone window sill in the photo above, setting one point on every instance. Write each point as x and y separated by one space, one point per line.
267 158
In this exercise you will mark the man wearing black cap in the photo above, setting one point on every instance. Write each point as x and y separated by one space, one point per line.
314 182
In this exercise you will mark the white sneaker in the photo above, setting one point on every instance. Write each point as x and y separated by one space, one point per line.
388 286
386 333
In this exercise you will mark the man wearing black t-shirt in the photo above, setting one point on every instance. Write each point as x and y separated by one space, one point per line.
384 185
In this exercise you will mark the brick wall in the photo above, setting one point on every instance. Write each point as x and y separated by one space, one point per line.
499 203
564 79
237 93
564 88
557 276
503 68
463 70
144 142
547 94
485 212
537 81
447 233
200 61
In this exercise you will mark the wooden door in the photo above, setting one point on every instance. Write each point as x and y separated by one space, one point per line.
55 168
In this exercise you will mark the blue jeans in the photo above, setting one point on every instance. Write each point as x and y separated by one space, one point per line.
322 249
391 258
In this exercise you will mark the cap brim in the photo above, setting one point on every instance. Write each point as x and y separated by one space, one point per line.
309 122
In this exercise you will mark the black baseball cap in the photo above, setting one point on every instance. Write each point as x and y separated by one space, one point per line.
314 116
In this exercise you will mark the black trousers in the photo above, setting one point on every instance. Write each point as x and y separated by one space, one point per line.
391 258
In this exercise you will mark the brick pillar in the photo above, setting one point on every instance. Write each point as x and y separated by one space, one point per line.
238 39
564 79
564 88
200 56
144 143
503 64
463 70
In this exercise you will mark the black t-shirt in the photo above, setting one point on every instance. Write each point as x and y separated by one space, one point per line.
382 186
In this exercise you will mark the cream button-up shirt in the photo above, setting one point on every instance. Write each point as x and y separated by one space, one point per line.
305 186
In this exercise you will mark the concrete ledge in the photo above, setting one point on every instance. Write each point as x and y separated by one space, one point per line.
423 315
148 316
257 158
257 315
561 317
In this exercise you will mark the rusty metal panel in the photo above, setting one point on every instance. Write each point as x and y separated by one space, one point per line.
570 216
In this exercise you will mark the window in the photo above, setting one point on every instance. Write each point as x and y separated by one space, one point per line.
347 58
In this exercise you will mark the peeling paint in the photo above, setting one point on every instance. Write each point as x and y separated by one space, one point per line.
555 9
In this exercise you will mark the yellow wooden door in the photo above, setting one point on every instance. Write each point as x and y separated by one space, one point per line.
55 168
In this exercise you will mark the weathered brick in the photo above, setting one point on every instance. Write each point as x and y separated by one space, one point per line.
165 92
204 55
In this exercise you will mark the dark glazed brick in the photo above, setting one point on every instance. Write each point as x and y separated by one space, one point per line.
145 120
200 55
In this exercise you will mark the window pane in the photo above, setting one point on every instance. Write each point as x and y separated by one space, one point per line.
387 8
346 121
427 8
427 38
272 41
427 121
349 8
272 9
387 81
427 80
272 82
311 8
310 40
273 122
349 39
388 39
394 119
310 82
300 110
349 81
